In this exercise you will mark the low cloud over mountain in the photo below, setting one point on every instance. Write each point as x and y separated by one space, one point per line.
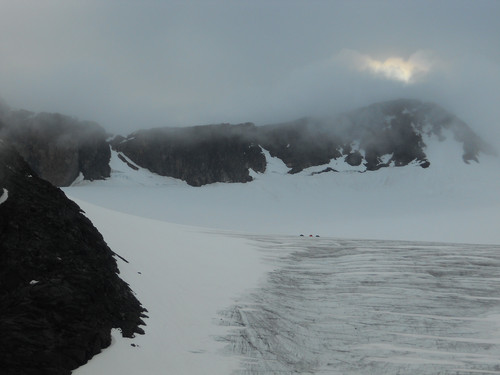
393 133
384 134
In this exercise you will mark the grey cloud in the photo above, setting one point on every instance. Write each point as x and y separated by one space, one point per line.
130 65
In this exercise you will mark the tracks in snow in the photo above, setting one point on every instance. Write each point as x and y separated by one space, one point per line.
370 307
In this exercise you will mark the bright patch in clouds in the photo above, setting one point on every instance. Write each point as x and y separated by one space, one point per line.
393 67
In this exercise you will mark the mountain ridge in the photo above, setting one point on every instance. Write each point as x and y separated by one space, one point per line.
392 133
385 134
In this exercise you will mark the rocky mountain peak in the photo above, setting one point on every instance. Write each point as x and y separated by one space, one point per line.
397 119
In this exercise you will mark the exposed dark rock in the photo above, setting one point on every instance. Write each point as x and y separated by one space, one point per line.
354 158
122 158
60 294
58 148
300 144
367 129
198 155
328 169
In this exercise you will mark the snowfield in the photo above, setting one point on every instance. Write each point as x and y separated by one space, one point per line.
250 296
183 276
4 196
448 202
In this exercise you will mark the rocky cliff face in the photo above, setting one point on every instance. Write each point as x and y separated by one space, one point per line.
60 294
58 148
381 135
400 127
198 155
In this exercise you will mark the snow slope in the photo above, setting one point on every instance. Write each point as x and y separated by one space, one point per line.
449 201
225 301
183 276
4 196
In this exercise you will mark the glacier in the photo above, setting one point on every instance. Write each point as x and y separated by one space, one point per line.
333 306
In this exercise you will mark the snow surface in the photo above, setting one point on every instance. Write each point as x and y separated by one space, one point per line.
4 196
335 306
250 296
183 276
227 303
450 201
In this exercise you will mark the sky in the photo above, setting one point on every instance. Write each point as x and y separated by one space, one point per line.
141 64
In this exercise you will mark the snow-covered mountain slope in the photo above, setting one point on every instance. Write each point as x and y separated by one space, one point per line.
448 201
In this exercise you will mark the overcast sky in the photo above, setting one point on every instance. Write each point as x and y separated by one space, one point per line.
134 64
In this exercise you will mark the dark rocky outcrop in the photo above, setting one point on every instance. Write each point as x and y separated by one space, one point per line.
198 155
60 294
328 169
354 158
58 148
301 144
130 165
